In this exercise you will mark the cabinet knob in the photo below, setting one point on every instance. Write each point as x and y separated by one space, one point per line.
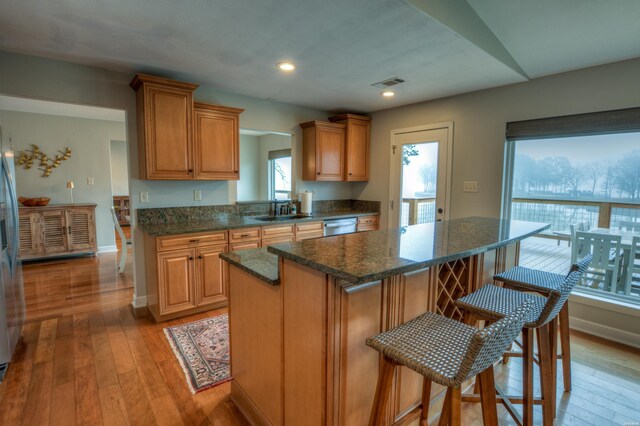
190 170
318 173
190 257
236 172
200 257
350 174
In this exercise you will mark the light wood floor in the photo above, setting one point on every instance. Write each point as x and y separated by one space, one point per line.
86 360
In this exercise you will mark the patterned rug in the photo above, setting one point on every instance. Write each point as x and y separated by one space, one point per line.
202 348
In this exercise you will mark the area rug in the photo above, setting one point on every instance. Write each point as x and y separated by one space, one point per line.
202 348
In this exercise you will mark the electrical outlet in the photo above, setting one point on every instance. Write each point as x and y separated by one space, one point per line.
144 197
197 195
90 181
470 186
315 193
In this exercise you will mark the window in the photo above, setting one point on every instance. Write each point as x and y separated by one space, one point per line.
280 174
581 170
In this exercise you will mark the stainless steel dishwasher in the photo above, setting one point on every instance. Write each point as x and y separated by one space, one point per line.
340 226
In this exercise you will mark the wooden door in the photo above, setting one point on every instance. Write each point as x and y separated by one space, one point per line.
29 234
330 153
81 229
54 231
176 275
217 142
211 275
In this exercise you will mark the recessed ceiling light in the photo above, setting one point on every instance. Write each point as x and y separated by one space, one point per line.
286 66
388 93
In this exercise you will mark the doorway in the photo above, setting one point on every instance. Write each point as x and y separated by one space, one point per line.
420 181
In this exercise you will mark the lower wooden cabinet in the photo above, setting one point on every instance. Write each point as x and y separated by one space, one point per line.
368 223
57 230
185 274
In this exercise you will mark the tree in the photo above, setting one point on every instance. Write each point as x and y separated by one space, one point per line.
408 151
627 175
594 171
524 173
572 177
427 175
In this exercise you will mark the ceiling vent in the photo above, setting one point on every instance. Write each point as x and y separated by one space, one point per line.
385 84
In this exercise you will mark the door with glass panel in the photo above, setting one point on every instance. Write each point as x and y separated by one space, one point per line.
420 176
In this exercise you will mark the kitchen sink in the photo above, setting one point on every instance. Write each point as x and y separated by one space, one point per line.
281 217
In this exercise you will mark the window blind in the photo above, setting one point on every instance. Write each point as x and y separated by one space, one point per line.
593 123
280 153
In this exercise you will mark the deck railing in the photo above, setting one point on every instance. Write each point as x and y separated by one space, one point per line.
418 210
562 213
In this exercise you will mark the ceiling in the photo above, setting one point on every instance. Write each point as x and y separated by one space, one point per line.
440 47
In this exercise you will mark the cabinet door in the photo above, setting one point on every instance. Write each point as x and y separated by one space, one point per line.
212 275
217 145
29 234
81 229
330 154
169 132
357 151
176 274
54 231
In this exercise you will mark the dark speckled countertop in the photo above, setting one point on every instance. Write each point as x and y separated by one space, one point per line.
258 262
370 256
231 222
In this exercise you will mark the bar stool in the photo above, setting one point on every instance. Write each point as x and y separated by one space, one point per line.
493 303
447 352
525 279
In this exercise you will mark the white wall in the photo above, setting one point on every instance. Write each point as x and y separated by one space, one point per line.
119 167
89 141
249 183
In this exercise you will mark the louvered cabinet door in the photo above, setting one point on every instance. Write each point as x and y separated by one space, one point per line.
81 229
28 233
53 231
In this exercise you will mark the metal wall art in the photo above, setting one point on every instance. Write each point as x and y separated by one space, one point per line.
28 157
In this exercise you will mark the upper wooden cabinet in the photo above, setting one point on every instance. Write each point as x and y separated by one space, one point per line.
358 136
337 151
217 142
323 151
165 127
180 140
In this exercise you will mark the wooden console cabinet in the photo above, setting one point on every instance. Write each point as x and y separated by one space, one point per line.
185 273
57 230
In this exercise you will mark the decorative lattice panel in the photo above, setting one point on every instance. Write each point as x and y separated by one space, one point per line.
452 284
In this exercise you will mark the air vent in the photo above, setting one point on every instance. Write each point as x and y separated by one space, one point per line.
388 83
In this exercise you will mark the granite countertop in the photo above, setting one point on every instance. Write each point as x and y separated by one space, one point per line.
375 255
258 262
231 222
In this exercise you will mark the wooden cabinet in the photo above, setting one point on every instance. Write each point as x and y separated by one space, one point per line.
245 238
182 140
323 151
357 145
122 206
368 223
165 127
308 230
217 142
57 230
275 234
185 273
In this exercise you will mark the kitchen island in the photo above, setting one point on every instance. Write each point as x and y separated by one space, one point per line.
298 353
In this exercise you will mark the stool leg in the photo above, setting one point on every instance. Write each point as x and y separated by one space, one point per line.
426 401
527 376
454 410
565 344
553 347
445 414
488 397
546 378
383 388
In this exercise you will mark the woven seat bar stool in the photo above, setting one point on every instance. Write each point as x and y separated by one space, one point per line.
447 352
526 279
493 303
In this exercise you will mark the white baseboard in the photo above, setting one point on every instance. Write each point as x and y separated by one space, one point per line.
139 301
606 332
107 249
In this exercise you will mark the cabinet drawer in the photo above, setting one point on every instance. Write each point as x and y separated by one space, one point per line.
309 227
276 240
368 221
277 230
301 236
244 234
245 246
191 240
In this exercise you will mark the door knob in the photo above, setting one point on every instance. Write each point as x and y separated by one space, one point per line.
440 210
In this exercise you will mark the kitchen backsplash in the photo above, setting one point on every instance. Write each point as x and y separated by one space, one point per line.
262 208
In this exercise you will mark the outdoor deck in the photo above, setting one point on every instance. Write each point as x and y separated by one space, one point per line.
545 255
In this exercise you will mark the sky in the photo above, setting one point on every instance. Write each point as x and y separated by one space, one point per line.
583 149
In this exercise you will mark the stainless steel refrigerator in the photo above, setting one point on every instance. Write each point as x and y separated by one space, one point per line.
12 308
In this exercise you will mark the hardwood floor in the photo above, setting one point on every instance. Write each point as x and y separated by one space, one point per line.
86 360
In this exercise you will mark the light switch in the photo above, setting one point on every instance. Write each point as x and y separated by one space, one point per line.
144 197
470 186
90 181
197 195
